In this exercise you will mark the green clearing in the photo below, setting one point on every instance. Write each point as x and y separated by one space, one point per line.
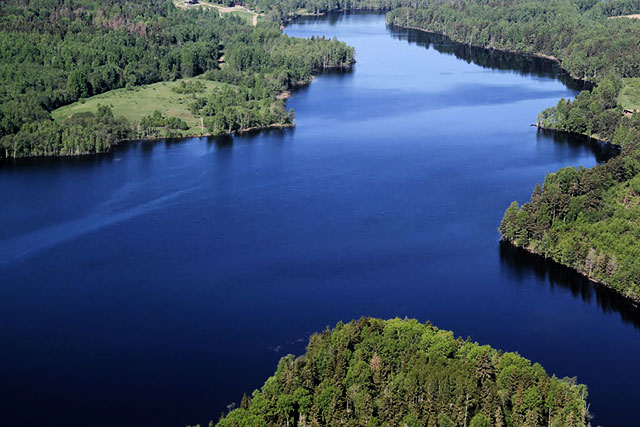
246 16
142 101
629 96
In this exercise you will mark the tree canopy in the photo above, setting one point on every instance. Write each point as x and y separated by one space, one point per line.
56 52
373 372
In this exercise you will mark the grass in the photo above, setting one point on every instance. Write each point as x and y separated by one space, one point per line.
141 101
246 16
629 96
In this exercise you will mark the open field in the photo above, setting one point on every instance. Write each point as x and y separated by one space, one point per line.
142 101
241 11
629 97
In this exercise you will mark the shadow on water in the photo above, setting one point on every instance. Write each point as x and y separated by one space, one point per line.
145 147
275 133
489 58
519 265
67 161
601 150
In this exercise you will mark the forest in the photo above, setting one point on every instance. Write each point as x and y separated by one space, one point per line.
55 52
588 219
374 372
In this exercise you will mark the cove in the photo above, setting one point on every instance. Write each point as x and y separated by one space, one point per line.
156 284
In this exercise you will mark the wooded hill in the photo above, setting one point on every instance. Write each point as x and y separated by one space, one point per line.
374 372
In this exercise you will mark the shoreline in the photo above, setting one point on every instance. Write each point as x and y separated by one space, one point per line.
282 95
632 300
591 137
117 144
551 58
597 282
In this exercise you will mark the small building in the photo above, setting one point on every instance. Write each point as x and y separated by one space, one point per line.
191 2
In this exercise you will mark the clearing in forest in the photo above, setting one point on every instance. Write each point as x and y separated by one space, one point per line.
629 96
142 101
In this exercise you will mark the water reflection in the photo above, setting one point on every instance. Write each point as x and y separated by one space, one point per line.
520 265
601 151
488 58
67 161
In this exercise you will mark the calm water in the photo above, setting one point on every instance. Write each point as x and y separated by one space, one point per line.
158 283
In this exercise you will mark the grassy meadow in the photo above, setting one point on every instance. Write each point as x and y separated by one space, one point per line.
142 101
629 96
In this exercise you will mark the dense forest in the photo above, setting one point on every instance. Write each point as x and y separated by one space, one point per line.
55 52
373 372
588 219
596 114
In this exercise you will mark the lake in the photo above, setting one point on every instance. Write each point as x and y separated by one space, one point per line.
156 284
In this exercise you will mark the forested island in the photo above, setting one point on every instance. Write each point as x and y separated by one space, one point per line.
55 53
374 372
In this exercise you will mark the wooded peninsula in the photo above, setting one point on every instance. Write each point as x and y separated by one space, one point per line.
374 372
55 53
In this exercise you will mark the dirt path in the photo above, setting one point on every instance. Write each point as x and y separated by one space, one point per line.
634 16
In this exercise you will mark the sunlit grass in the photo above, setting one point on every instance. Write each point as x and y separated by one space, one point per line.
141 101
629 96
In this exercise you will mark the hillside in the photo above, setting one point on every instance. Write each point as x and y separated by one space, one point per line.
374 372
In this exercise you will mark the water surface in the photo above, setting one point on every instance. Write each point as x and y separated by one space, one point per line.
156 284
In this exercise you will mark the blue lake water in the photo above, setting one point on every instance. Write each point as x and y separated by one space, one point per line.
156 284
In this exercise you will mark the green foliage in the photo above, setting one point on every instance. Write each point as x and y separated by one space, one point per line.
83 133
151 125
480 420
373 372
189 87
577 32
53 53
594 114
587 219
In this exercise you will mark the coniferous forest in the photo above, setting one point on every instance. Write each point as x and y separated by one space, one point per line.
55 52
373 372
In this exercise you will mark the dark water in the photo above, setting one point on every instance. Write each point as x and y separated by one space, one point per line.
156 284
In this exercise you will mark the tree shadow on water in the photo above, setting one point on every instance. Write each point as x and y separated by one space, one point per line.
573 143
519 265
